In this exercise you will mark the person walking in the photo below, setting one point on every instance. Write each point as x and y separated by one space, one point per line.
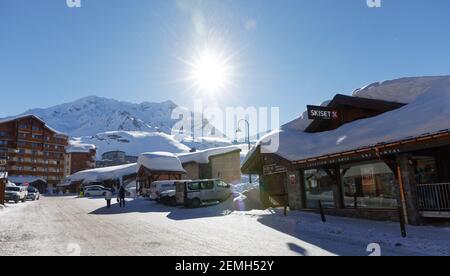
108 196
122 196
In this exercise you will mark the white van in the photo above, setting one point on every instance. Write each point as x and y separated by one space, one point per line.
157 187
194 193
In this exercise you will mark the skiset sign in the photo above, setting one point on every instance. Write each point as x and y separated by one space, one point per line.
322 113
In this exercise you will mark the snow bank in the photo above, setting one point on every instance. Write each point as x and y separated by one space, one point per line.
76 146
160 161
102 174
202 157
427 114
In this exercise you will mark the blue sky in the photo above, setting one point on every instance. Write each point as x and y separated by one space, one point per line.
285 53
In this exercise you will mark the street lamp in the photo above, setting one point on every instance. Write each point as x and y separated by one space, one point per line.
248 139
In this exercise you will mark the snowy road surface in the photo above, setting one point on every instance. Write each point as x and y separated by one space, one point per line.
72 226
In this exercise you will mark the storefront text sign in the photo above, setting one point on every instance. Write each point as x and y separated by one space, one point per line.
322 113
273 169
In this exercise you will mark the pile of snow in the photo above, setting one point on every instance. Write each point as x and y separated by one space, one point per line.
161 161
102 174
76 146
202 157
427 114
134 142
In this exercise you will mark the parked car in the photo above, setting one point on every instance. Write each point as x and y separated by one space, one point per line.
93 191
195 193
168 197
33 194
16 193
157 187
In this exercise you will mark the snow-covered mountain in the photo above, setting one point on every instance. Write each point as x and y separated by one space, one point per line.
91 115
116 125
132 142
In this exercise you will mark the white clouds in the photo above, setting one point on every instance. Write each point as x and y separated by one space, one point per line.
251 25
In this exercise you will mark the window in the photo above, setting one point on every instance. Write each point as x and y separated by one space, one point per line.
36 136
24 126
3 134
209 185
369 185
34 152
21 144
35 145
3 143
425 170
194 186
36 128
319 186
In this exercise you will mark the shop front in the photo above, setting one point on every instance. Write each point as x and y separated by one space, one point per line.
344 164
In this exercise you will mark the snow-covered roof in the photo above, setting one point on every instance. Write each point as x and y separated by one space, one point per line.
24 179
202 157
10 119
427 113
76 146
160 161
102 174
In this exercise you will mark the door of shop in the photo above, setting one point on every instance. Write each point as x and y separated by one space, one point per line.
276 189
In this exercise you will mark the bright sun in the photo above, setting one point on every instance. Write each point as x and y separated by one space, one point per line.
210 72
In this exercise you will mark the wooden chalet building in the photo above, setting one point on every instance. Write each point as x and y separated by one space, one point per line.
354 169
157 166
222 163
33 150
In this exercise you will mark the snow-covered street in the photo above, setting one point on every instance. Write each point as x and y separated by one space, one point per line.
73 226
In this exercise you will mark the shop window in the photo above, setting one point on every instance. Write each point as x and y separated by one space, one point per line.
425 170
319 186
369 186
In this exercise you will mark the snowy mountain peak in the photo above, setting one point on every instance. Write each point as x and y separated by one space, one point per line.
91 115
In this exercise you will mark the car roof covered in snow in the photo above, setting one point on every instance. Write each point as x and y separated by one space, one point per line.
160 161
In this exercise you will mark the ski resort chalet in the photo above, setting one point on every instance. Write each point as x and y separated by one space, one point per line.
222 163
361 157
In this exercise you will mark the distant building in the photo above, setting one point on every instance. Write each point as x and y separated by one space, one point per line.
33 150
79 157
223 163
115 158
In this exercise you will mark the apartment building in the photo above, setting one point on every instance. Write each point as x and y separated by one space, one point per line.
33 150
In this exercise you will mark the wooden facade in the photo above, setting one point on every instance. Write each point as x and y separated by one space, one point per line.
145 177
408 177
33 149
224 166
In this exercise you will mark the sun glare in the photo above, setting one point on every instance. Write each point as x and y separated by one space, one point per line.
211 72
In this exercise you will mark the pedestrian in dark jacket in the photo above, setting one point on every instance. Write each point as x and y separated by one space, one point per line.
122 197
